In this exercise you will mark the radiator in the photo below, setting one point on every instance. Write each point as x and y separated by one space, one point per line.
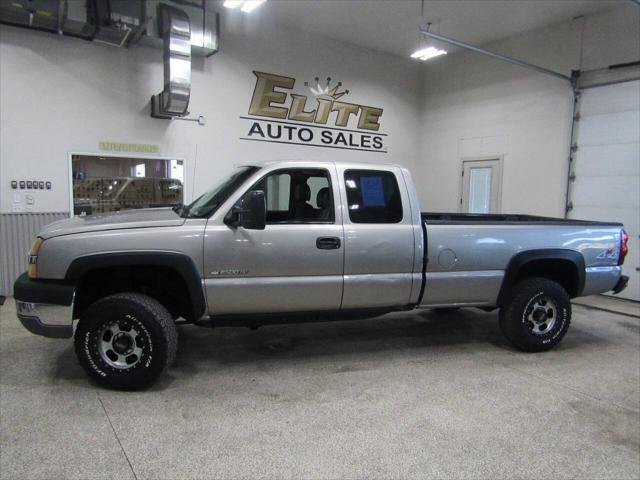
17 233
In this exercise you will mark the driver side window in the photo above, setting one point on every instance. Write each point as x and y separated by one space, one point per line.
298 196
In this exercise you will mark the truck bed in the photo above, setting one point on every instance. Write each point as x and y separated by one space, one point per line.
505 219
468 255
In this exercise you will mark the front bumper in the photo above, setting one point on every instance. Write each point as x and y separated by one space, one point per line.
45 307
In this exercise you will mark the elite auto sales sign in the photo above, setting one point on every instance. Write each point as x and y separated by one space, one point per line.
278 115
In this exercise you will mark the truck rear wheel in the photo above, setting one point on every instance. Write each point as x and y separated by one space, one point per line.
126 340
537 316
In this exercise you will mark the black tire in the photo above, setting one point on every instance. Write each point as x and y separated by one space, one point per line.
537 316
126 340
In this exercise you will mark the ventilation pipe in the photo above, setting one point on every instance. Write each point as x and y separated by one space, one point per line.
175 29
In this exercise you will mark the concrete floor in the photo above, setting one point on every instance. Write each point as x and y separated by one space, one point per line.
423 395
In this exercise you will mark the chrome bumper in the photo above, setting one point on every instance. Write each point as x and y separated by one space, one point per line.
45 307
48 320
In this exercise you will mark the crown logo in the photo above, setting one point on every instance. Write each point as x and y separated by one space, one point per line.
326 90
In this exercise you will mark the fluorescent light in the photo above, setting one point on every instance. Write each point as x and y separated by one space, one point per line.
247 5
427 53
251 5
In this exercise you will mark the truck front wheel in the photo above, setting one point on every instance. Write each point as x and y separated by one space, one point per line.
537 316
126 340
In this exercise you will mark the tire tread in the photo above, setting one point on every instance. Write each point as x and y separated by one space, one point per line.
510 314
160 315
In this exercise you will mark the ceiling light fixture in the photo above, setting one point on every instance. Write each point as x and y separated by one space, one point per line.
424 52
247 5
251 5
427 53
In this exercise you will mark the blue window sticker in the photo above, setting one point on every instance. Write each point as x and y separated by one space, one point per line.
372 191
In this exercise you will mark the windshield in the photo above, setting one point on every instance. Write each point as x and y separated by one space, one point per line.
209 202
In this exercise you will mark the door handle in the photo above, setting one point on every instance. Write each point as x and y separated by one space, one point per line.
328 243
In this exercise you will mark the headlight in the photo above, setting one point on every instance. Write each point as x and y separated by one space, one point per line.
33 258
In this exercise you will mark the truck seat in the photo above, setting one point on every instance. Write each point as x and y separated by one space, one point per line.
301 209
323 200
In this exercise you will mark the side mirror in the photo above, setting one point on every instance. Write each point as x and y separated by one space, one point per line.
250 213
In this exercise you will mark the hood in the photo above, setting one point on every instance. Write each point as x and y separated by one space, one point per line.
141 218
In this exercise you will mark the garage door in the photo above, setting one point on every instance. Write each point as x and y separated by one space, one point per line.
607 166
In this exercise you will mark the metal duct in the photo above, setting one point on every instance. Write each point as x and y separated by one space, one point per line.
39 14
173 101
115 22
75 18
183 28
80 19
204 22
119 20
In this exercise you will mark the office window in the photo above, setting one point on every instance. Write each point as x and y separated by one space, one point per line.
111 184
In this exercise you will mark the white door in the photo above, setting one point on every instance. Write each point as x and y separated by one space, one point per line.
481 182
607 166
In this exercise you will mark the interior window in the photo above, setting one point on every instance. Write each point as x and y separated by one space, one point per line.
373 196
298 196
110 184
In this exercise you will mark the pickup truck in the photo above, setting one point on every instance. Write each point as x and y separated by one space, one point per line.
297 240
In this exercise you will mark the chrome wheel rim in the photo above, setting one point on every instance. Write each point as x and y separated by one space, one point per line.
542 315
121 344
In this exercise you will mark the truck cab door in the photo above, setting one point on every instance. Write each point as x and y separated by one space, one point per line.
382 264
295 264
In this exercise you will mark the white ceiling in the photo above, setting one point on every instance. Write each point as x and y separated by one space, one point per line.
391 25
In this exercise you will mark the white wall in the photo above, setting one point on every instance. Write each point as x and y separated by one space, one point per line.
61 95
476 106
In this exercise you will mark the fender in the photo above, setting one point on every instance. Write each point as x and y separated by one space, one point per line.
520 260
180 262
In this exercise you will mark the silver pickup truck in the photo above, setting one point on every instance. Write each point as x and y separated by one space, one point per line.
295 240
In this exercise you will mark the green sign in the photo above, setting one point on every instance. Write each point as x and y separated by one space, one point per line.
129 147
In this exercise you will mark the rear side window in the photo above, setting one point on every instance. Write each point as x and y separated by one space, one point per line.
373 196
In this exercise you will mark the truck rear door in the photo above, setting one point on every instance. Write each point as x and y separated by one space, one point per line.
379 237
